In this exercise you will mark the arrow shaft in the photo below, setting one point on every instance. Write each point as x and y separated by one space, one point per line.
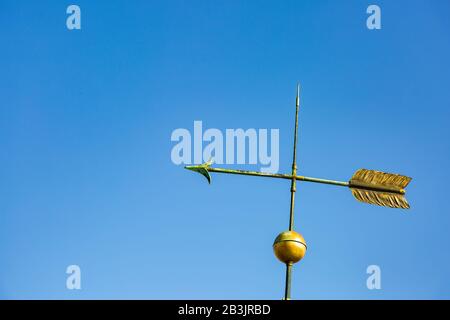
278 176
307 179
323 181
251 173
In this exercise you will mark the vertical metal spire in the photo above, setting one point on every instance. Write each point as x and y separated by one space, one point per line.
294 161
287 291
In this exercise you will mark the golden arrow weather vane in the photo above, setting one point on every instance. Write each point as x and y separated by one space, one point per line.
369 186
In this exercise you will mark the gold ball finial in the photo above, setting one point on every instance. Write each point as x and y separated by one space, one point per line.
289 247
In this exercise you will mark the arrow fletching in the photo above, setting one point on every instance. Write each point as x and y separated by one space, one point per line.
380 188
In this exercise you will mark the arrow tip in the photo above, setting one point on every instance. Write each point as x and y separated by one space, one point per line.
202 169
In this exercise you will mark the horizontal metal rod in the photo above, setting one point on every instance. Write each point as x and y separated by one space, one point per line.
279 176
325 181
251 173
303 178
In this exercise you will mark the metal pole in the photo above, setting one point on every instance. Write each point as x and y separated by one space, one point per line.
287 290
294 162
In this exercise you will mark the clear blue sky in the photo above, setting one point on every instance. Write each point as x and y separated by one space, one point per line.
86 176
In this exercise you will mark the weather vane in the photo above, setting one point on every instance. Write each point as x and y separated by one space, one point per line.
369 186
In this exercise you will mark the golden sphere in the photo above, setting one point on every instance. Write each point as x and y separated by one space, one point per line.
289 247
